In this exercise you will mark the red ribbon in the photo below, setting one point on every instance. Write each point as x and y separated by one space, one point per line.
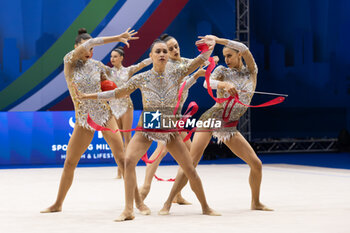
160 179
203 48
191 110
146 160
179 95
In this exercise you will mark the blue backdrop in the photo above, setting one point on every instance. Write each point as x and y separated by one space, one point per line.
301 48
41 138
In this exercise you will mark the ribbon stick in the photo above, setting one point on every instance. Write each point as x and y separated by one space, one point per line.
274 101
265 93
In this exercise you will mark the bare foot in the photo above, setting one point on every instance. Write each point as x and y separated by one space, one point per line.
144 210
165 210
180 200
211 212
260 206
144 192
119 174
52 209
125 216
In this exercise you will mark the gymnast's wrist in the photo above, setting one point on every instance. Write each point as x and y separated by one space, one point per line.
84 96
222 85
118 38
220 41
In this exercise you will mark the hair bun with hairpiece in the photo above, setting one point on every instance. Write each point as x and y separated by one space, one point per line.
164 36
120 48
82 31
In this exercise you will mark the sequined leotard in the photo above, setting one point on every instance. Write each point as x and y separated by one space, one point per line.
87 76
159 93
242 80
119 77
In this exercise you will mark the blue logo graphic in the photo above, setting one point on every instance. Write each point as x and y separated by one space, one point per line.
151 120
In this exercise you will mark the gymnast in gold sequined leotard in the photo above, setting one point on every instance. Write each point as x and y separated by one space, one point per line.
228 81
175 62
123 108
84 74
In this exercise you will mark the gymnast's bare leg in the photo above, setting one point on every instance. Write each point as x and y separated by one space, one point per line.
77 145
125 122
198 145
152 168
137 147
240 147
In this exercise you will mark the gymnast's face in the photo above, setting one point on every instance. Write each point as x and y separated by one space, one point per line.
86 54
159 54
232 57
116 59
174 49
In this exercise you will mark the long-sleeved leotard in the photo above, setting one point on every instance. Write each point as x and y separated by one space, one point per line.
159 92
243 80
86 76
120 77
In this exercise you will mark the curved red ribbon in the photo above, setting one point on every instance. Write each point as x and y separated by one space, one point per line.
160 179
179 95
203 48
191 110
146 160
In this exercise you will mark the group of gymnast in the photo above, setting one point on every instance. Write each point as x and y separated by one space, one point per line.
159 87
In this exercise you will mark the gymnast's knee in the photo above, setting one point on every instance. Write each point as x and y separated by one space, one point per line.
121 162
191 173
70 165
256 165
129 163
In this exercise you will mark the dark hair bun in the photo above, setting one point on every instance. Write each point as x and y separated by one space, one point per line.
120 50
82 31
164 36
